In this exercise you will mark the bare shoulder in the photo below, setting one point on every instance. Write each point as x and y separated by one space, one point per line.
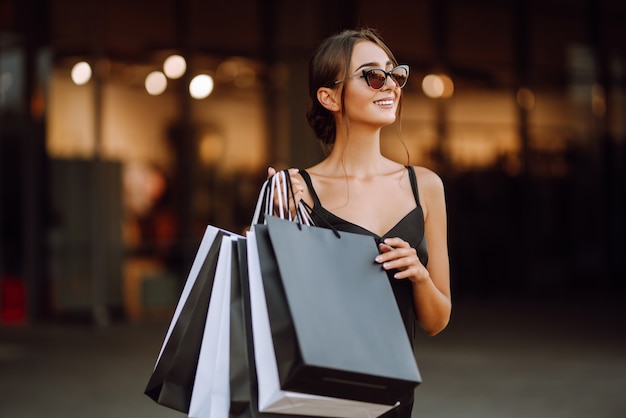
428 180
431 191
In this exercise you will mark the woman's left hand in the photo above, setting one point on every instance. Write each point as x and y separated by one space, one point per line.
395 253
294 198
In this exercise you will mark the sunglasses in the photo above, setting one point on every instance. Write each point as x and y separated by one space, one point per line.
376 78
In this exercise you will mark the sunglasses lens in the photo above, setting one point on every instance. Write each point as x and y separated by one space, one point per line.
400 76
376 79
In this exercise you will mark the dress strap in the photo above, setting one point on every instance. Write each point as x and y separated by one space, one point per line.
413 180
309 184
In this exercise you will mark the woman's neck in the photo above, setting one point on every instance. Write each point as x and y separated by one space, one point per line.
356 154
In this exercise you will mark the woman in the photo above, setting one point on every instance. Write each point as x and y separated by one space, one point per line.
355 85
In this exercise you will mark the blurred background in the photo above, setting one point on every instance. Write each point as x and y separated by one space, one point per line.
128 126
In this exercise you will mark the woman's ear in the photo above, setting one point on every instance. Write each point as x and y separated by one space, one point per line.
328 98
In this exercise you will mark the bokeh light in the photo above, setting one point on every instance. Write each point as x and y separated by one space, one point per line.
174 66
239 72
526 98
438 86
432 86
211 148
201 86
598 100
81 73
156 83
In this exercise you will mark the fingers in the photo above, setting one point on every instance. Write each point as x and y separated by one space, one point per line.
384 248
292 200
295 181
396 242
392 248
271 171
298 187
292 171
397 258
397 254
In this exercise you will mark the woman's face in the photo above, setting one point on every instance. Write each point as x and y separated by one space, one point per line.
363 104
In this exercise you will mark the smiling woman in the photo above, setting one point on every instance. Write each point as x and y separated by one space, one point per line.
355 87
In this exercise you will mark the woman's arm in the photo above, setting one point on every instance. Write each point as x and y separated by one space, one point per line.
432 297
431 287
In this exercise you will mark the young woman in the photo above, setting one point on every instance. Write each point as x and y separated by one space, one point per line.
355 84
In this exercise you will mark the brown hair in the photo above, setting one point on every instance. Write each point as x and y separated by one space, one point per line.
332 60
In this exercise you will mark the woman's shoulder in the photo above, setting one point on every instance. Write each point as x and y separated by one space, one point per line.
431 191
428 180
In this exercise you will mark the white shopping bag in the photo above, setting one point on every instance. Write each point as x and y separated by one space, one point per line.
211 391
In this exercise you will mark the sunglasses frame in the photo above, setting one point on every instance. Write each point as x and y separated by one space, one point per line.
388 74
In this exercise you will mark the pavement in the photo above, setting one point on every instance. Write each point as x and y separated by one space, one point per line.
498 358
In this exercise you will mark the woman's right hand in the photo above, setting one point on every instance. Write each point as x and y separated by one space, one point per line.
298 191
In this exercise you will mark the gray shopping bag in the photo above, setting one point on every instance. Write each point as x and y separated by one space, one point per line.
335 324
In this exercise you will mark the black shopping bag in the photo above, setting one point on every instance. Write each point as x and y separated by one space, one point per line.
240 330
171 382
333 324
334 319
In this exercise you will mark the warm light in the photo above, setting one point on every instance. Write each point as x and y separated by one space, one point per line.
526 98
245 78
598 100
227 71
432 86
201 86
238 72
156 83
438 86
174 66
81 73
448 86
211 148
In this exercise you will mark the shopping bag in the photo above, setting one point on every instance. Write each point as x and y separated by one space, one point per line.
243 375
242 378
172 379
211 392
333 311
278 342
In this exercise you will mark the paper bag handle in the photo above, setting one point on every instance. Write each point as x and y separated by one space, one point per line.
279 183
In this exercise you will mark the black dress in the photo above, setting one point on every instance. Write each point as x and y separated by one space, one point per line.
411 229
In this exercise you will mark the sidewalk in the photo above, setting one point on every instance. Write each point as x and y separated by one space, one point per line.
502 360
